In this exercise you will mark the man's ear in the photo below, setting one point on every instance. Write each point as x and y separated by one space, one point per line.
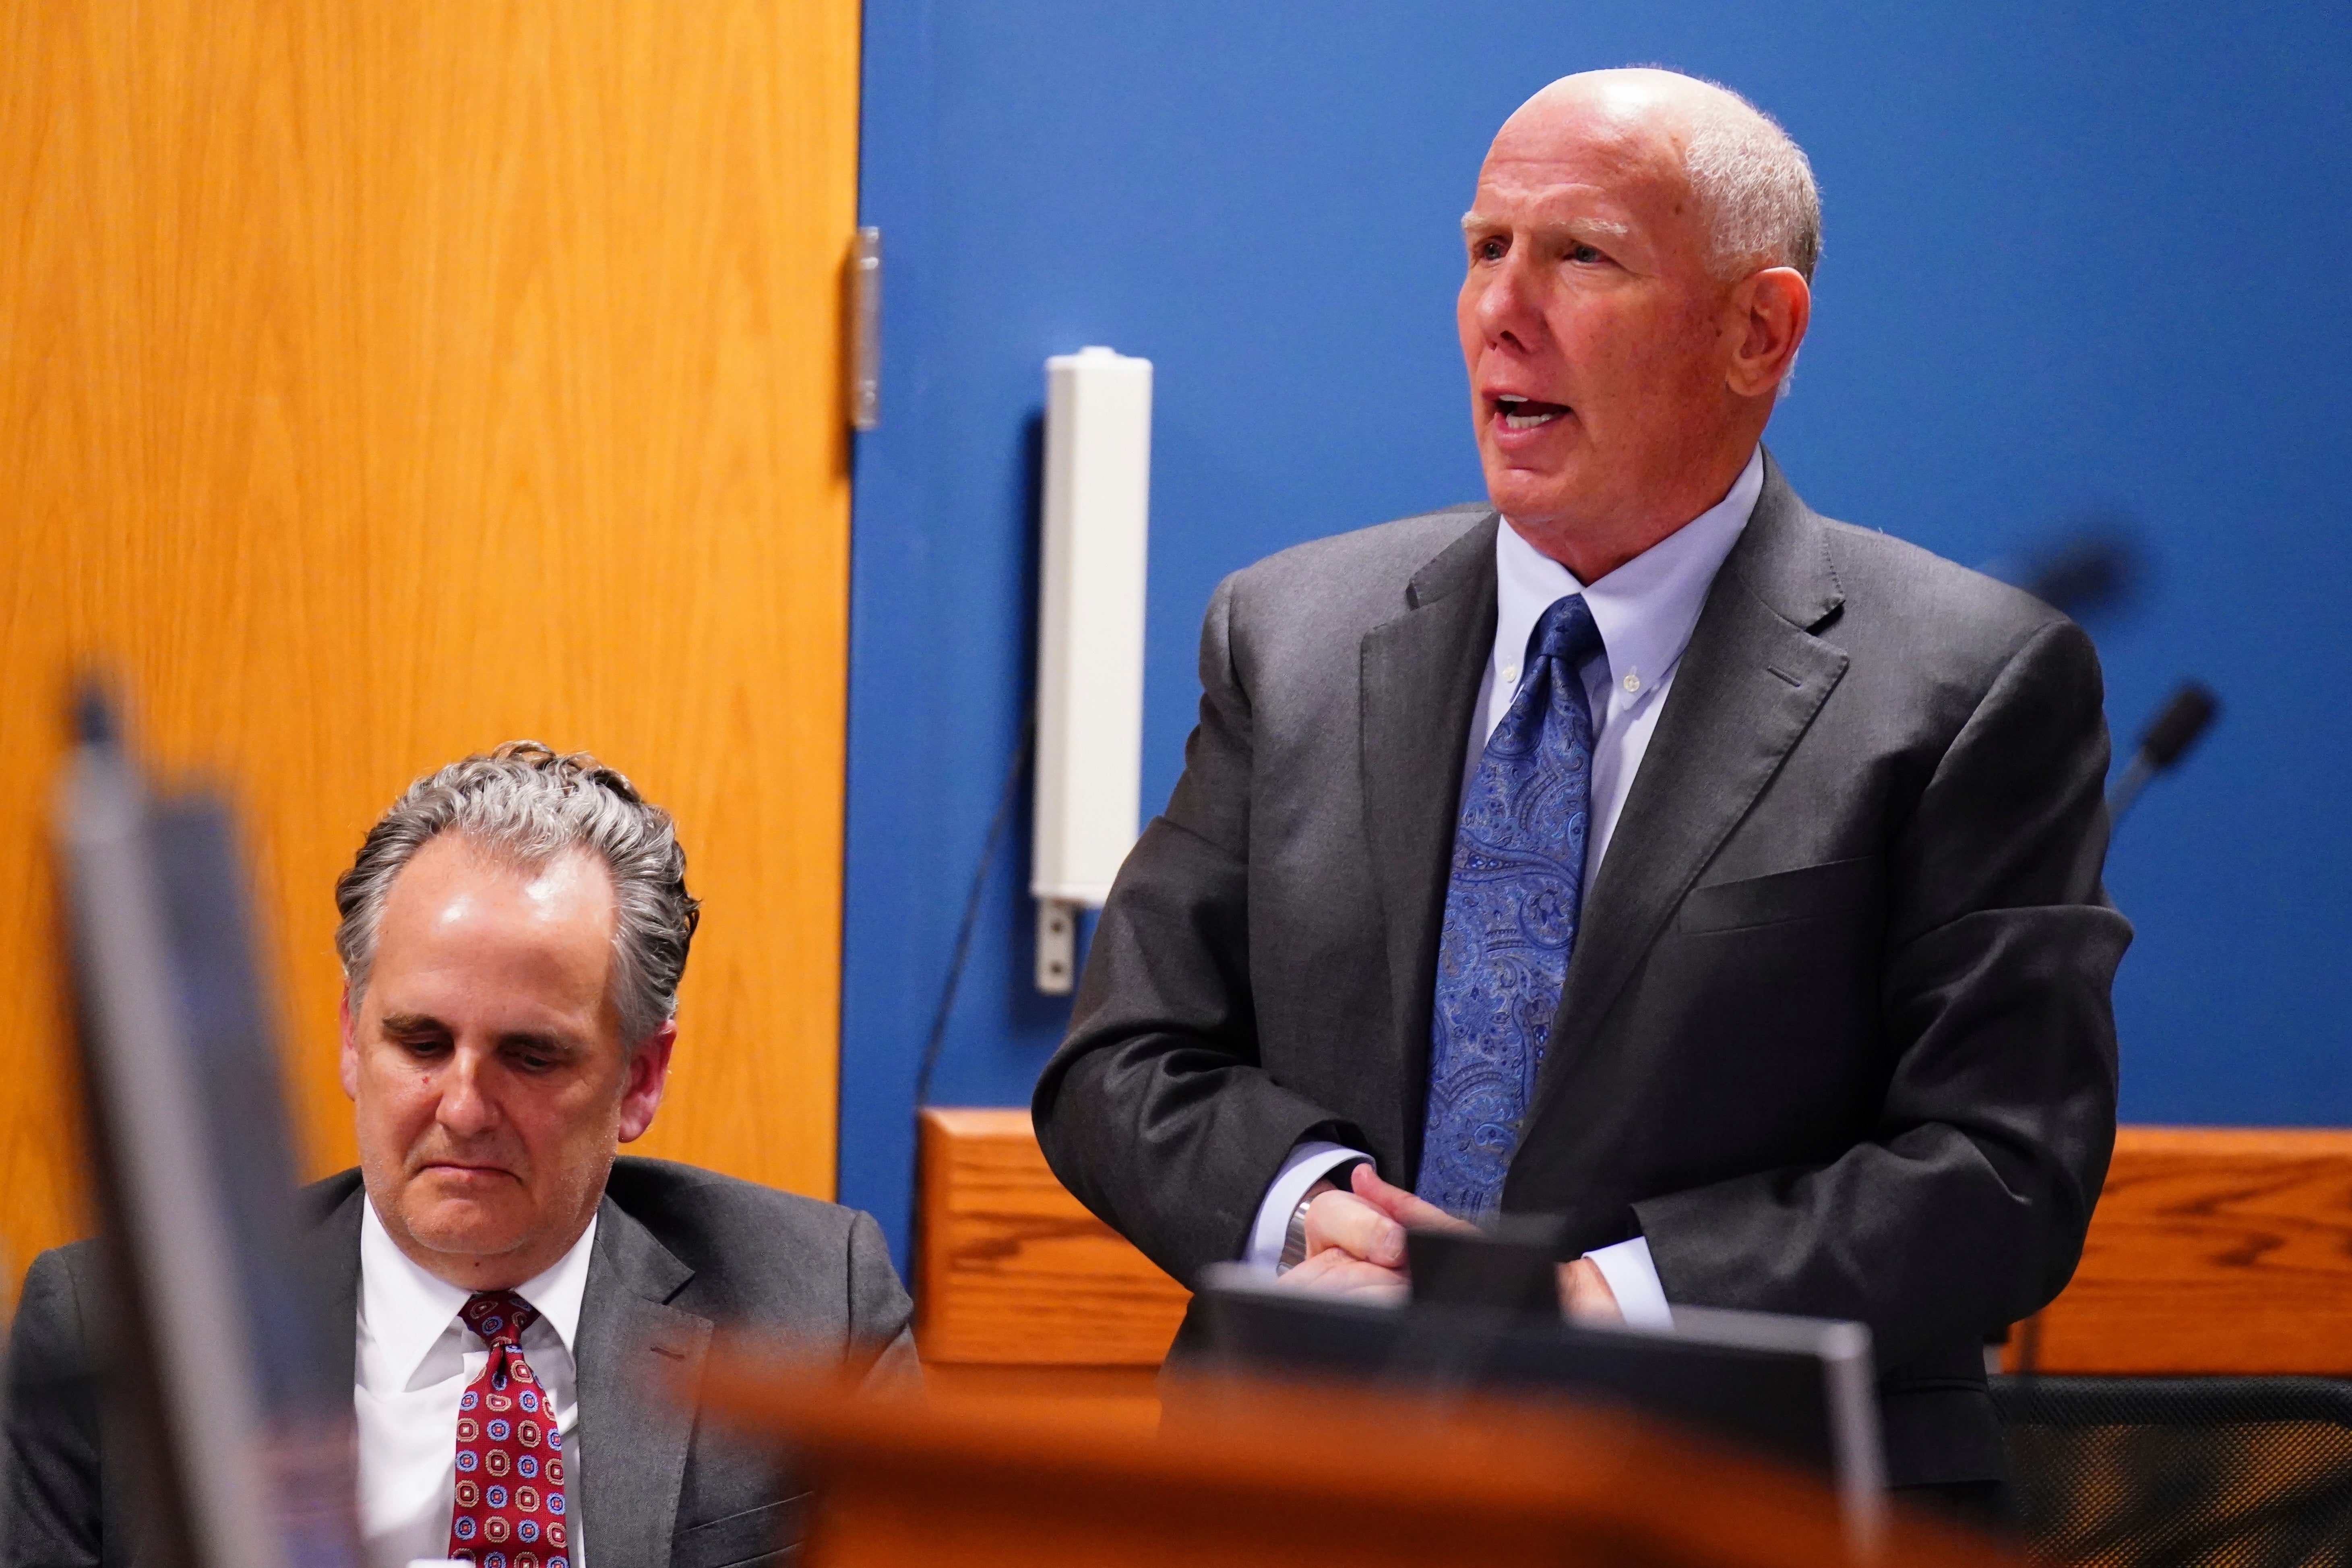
648 1073
1766 321
350 1051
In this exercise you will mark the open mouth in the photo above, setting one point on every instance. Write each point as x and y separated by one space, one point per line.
1525 413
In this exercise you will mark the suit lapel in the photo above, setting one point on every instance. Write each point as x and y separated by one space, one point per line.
335 1262
633 1348
1419 681
1748 688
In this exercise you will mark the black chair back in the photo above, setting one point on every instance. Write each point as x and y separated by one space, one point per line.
2158 1472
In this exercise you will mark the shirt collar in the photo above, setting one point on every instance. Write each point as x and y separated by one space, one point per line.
1645 609
408 1308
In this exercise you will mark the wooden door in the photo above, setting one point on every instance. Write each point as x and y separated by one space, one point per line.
380 381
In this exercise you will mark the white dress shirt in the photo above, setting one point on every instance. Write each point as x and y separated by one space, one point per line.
415 1357
1645 611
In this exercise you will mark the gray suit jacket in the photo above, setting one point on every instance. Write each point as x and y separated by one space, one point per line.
1835 1036
679 1252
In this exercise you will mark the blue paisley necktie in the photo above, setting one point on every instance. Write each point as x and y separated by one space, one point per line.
1511 906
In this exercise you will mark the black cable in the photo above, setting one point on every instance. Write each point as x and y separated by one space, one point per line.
1005 797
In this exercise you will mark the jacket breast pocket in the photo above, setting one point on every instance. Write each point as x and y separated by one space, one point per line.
757 1536
1835 887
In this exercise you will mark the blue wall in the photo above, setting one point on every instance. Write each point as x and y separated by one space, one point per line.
2078 258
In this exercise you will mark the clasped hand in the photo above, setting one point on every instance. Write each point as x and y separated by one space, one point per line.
1355 1246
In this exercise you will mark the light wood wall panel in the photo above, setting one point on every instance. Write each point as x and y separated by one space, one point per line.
379 382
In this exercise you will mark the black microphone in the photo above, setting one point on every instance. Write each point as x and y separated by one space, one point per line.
2093 566
2177 727
89 713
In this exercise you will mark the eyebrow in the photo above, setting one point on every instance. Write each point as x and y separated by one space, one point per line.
426 1024
1474 222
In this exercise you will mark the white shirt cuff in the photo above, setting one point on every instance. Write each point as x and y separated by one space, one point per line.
1634 1280
1308 1164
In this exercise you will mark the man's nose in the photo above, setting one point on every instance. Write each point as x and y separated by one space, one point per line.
466 1105
1506 304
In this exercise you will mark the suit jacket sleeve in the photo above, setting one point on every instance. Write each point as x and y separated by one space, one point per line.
52 1479
881 1316
1967 1203
1156 1112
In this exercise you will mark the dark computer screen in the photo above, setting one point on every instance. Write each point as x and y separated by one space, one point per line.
1798 1389
225 1363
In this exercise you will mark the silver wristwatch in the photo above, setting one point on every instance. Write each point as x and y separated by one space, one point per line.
1294 1236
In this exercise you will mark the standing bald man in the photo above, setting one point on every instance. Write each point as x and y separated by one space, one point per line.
1639 847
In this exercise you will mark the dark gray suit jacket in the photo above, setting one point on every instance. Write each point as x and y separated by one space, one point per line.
679 1252
1835 1036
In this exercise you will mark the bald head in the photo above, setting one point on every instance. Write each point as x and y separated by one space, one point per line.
1753 187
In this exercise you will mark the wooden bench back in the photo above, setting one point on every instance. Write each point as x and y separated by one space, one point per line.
1010 1270
2213 1250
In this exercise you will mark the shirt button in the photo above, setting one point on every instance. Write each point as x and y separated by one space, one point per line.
1510 673
1632 680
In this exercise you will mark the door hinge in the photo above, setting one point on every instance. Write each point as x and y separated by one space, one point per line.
865 330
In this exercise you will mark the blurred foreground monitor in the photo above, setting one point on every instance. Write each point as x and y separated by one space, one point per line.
225 1374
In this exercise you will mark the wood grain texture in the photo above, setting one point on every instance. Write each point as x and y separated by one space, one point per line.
379 382
2212 1250
1012 1271
1287 1475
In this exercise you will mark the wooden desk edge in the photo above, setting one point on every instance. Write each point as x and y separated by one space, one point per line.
979 1121
2136 1139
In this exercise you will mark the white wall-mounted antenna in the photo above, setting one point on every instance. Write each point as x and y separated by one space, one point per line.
1089 642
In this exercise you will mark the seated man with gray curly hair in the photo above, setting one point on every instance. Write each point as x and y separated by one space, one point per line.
513 932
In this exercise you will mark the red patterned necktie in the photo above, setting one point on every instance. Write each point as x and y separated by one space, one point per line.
510 1505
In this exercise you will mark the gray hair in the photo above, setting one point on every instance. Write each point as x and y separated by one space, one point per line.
524 802
1758 187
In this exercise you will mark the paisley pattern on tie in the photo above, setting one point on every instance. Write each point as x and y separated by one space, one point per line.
510 1511
1512 900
